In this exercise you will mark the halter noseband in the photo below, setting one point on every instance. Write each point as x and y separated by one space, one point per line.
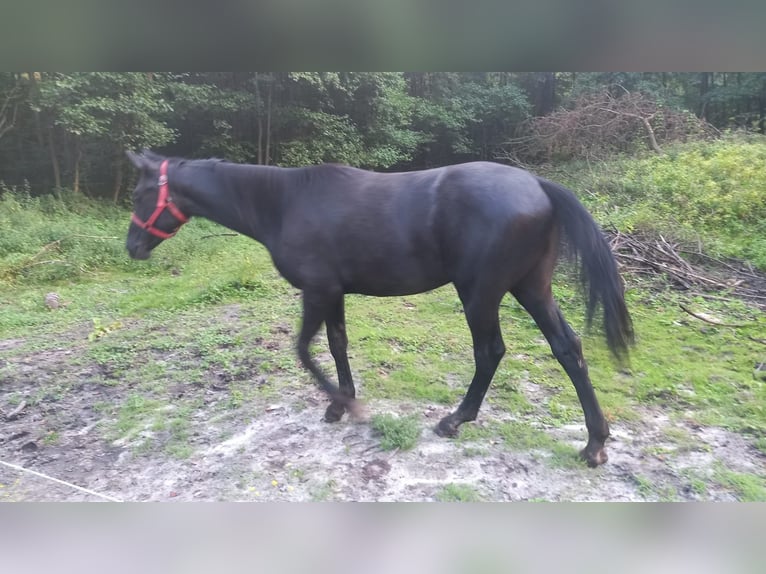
164 201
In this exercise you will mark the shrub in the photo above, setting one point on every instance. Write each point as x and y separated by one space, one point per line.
712 192
401 433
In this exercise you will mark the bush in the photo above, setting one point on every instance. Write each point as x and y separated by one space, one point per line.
718 185
713 193
401 433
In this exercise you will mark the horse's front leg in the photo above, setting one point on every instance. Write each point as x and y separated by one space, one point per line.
319 307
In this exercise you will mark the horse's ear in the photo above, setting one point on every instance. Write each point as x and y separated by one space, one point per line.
151 155
137 160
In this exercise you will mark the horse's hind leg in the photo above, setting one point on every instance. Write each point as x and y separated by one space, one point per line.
338 341
488 348
537 299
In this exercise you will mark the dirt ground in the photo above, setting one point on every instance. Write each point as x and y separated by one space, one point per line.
281 450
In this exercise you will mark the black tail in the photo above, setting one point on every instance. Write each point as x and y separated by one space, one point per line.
598 268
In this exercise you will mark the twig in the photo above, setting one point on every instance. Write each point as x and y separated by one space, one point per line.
49 261
761 341
219 235
14 414
711 321
57 242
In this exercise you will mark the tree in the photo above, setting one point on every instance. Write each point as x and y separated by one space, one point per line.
363 119
11 95
105 113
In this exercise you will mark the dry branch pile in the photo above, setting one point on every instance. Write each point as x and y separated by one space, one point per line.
601 123
687 269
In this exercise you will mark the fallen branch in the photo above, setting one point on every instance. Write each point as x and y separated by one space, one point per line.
14 414
712 321
656 256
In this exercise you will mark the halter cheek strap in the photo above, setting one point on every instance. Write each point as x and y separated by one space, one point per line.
164 201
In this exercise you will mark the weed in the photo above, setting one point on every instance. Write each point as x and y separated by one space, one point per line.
179 450
696 484
323 492
458 493
396 432
101 329
652 491
51 438
747 487
299 474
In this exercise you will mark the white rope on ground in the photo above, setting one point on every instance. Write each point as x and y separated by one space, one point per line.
69 484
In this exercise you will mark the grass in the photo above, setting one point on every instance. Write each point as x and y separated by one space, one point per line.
520 436
746 487
396 432
458 493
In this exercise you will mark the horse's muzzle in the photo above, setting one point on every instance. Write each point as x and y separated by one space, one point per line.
137 250
140 254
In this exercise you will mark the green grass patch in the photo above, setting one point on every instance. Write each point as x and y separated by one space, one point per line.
396 432
458 493
519 436
650 490
746 487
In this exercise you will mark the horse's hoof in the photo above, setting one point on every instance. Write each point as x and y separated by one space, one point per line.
594 457
334 413
446 428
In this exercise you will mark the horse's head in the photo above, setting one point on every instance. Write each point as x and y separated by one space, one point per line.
155 215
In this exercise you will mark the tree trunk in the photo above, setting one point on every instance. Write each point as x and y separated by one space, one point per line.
704 89
652 139
77 156
54 161
267 156
118 175
9 111
260 121
546 93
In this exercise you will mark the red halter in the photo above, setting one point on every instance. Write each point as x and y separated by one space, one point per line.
164 201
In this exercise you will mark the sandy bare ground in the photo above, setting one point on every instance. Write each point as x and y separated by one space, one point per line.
282 451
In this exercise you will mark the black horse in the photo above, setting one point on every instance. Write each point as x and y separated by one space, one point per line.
487 228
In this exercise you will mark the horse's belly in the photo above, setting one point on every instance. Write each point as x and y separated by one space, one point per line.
390 280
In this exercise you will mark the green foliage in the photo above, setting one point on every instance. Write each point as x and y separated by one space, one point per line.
101 329
122 108
396 432
324 138
710 192
719 184
363 119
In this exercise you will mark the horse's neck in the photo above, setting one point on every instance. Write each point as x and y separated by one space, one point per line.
246 199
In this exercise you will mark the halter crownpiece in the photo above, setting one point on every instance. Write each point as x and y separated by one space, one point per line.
164 201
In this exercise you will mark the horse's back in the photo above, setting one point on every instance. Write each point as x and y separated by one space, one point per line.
397 233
